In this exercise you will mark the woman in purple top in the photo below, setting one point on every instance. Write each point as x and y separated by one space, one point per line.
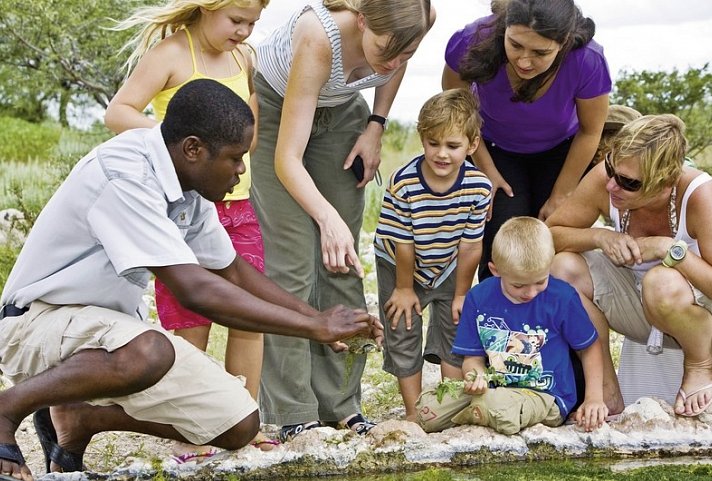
543 85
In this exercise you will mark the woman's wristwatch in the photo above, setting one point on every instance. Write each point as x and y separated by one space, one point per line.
379 119
675 254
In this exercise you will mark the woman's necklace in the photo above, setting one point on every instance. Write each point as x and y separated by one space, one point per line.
672 215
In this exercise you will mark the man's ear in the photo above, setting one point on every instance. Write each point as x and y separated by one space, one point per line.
493 269
192 147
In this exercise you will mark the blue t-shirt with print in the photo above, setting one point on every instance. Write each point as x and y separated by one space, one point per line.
528 343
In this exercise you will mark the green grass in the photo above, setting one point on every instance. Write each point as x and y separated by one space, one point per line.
571 470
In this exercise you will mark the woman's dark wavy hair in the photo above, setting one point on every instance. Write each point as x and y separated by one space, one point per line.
558 20
208 110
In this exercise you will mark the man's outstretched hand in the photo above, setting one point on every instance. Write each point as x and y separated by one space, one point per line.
341 322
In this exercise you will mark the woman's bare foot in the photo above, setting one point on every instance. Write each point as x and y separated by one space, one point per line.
695 394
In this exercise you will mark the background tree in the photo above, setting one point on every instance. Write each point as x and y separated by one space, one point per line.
59 52
686 94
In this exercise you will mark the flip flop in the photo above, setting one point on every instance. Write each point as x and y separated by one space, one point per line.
266 444
12 453
194 456
685 395
68 462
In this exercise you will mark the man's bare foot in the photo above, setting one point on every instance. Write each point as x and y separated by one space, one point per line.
12 462
70 421
695 394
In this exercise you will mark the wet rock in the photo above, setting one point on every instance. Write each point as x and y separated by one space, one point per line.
647 428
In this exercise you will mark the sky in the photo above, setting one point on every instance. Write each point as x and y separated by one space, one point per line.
636 35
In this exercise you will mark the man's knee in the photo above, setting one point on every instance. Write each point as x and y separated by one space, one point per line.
146 359
240 434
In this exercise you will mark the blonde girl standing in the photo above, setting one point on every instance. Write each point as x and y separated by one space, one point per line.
178 42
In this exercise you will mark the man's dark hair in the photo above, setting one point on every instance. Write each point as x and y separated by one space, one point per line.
208 110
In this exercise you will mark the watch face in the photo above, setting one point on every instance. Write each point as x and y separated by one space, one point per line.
677 252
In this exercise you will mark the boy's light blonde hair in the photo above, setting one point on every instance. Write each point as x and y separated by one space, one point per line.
454 111
523 245
405 20
659 144
157 22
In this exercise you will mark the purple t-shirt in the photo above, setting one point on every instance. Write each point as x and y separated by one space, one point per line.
530 127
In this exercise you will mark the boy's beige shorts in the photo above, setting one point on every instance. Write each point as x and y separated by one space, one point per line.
197 396
507 410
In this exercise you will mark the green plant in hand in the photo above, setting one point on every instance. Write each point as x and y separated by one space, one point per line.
456 387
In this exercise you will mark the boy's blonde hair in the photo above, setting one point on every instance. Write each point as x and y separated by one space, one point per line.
659 143
157 22
454 111
523 245
405 20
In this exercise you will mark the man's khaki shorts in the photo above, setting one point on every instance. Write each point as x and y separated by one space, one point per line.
507 410
197 396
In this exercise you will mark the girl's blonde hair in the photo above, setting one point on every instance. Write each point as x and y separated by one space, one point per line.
453 111
157 22
523 245
659 144
405 20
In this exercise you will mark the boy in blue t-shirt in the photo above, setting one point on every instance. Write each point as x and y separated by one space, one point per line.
429 241
515 333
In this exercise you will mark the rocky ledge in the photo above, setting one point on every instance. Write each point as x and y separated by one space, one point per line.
647 428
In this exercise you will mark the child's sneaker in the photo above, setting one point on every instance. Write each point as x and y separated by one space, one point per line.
288 431
359 424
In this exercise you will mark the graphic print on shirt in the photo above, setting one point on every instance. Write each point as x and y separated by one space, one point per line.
515 354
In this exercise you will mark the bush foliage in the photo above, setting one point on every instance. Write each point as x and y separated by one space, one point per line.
23 141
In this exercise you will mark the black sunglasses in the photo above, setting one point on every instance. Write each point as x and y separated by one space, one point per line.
625 183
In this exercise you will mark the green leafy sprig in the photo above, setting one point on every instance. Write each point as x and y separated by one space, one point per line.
456 387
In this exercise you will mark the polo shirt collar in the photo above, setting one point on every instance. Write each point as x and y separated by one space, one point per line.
163 165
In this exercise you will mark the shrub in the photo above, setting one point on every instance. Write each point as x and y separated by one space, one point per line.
22 141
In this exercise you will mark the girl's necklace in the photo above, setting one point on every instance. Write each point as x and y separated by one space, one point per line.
205 67
672 215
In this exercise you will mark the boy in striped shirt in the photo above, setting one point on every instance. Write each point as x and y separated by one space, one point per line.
429 241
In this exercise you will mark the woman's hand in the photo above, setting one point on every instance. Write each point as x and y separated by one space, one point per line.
621 249
655 247
551 204
368 146
337 246
498 183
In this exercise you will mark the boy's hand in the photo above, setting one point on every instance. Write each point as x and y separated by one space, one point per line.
457 303
591 414
475 383
402 303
